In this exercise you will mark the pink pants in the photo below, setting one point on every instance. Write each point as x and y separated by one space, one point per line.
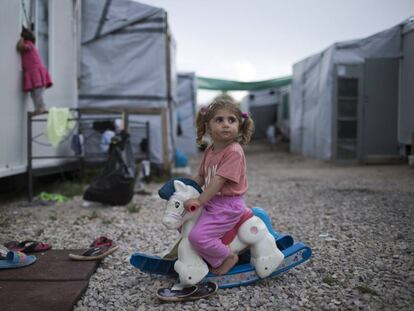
219 215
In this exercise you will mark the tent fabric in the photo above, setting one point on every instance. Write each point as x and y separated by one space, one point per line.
101 18
186 112
229 85
128 62
266 97
263 117
263 107
312 97
123 56
155 141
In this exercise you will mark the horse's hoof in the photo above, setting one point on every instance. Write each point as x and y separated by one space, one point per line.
266 265
190 274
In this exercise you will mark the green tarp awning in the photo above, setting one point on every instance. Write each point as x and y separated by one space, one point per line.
229 85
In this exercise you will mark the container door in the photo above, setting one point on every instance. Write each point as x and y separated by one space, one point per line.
348 99
380 120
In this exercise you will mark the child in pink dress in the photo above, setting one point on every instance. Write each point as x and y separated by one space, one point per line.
35 75
222 174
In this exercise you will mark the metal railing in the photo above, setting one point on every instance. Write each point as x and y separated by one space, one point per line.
79 116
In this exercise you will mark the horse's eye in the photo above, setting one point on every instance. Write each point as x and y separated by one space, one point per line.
177 204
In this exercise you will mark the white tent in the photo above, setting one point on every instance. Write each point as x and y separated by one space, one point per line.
344 100
128 62
186 113
263 108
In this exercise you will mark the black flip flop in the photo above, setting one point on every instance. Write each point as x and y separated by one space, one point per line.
170 294
94 253
202 290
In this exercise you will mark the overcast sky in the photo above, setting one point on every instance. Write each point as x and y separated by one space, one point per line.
256 40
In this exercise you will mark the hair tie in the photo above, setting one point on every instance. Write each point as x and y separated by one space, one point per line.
203 110
245 115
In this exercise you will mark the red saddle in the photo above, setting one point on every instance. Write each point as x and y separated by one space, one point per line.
229 236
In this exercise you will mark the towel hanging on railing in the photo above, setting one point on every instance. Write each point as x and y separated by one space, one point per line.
58 124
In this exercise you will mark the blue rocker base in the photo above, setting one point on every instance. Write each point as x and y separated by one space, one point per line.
241 274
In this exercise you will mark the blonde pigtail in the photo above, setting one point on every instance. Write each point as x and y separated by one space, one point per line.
246 130
201 127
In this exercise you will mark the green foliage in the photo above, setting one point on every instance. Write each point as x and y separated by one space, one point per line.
366 290
69 185
4 221
52 217
93 215
329 280
133 208
106 221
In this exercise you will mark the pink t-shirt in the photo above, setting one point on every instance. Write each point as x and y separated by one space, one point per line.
229 163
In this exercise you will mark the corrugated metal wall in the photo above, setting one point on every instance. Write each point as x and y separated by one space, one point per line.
406 109
13 102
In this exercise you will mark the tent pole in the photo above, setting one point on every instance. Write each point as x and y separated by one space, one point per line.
29 158
167 166
164 121
125 118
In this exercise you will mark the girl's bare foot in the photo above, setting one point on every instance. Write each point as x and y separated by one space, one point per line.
37 112
227 264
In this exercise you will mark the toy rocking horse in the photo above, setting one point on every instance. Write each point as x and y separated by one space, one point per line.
262 251
250 232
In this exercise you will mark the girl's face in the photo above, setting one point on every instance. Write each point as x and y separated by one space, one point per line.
223 127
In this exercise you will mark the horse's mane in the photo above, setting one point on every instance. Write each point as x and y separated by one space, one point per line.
168 189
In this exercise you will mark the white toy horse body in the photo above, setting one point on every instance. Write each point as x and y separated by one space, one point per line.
253 233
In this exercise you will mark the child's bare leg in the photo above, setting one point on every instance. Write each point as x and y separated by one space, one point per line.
227 264
38 101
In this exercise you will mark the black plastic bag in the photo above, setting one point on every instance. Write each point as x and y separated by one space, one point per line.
115 184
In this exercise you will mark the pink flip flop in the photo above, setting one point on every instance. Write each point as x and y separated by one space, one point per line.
27 246
101 241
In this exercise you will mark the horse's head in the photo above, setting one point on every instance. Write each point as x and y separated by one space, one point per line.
175 214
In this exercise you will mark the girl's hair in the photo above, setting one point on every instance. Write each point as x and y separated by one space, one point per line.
27 34
205 114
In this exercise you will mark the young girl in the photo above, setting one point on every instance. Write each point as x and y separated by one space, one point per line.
222 172
35 75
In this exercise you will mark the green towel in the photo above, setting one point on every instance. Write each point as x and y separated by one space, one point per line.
45 196
58 125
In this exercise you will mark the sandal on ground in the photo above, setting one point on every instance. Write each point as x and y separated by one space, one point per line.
101 241
16 260
94 253
27 246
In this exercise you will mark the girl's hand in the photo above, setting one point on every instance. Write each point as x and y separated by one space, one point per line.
21 46
191 205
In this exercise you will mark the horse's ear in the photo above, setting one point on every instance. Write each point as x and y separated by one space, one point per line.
179 186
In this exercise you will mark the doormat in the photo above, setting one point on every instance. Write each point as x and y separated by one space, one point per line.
40 295
53 282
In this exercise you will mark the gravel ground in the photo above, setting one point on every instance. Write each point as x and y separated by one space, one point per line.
357 220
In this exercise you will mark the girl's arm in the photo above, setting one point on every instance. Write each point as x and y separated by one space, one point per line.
199 180
213 187
21 46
